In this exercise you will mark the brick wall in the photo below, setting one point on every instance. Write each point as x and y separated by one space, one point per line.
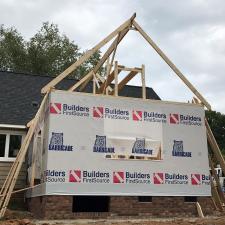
60 207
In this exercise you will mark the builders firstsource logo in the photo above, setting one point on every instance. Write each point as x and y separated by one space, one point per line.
176 118
54 176
137 115
69 110
121 177
55 108
110 113
199 179
85 176
157 117
170 178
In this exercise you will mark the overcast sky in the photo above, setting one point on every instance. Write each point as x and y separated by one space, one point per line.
191 33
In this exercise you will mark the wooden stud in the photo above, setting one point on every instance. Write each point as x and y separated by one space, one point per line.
143 82
171 65
87 55
94 84
116 78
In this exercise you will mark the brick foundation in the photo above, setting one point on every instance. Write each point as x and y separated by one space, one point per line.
60 207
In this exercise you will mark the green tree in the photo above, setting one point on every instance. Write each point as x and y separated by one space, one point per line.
12 50
47 52
216 121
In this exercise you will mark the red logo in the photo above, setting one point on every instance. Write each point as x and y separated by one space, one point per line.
55 108
137 115
158 178
118 177
174 118
195 179
98 112
75 176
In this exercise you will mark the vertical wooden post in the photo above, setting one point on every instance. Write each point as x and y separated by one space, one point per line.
116 78
143 82
94 85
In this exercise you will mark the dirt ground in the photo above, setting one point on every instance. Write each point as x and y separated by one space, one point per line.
21 218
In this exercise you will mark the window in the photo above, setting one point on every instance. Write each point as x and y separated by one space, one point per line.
145 198
190 199
2 145
10 144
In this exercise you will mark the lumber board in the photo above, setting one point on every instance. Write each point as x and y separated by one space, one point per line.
171 64
143 82
116 79
136 69
199 210
87 55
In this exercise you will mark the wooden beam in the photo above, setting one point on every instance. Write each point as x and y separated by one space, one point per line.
130 69
87 55
107 82
143 82
116 79
171 65
112 47
125 81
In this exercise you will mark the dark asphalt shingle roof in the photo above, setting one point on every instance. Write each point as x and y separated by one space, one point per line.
19 92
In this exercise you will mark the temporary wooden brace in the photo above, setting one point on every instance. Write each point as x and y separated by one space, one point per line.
116 78
171 65
11 179
143 82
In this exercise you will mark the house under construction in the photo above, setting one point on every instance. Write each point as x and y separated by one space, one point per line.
98 147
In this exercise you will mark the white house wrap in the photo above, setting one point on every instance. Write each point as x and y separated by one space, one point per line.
164 145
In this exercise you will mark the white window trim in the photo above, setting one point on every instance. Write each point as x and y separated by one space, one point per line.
8 133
